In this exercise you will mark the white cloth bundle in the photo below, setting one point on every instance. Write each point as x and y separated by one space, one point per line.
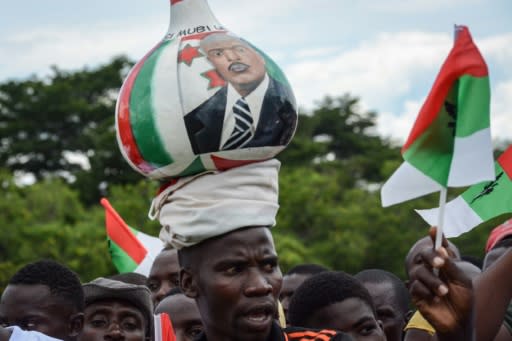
212 204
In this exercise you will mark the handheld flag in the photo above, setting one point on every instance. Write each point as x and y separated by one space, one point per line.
479 203
451 133
131 250
163 328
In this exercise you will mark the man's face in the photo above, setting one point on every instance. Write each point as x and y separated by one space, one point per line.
393 320
236 62
113 320
414 260
185 317
352 316
164 275
290 284
236 285
33 307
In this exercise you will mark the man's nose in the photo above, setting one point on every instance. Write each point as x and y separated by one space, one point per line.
231 55
114 332
257 284
165 287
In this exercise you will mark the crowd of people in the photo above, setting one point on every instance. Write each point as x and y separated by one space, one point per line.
230 287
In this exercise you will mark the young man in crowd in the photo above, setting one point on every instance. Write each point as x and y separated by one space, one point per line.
235 280
44 296
293 279
391 300
184 315
336 300
164 274
117 311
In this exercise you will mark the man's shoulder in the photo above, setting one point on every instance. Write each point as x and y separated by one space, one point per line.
296 334
22 335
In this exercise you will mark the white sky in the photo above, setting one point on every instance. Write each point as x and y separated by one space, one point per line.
386 52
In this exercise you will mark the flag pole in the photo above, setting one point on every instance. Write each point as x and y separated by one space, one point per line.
440 218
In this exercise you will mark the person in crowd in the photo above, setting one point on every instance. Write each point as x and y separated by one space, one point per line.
130 278
235 280
44 296
164 274
443 292
183 313
498 244
391 299
295 277
116 310
336 300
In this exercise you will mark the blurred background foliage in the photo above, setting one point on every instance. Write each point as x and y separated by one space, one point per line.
59 156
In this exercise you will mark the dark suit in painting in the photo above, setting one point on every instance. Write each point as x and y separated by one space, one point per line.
275 127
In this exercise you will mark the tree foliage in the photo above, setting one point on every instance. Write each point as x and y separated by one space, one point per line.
329 182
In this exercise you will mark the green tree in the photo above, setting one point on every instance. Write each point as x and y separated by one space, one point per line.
44 121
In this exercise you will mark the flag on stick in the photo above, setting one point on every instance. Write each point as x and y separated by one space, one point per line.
130 249
479 203
451 133
163 328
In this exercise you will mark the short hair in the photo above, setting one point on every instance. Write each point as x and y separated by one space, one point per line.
322 290
382 276
306 269
62 282
130 278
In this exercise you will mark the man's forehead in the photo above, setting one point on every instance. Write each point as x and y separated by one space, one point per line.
218 41
27 292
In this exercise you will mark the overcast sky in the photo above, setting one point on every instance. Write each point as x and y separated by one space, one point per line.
386 52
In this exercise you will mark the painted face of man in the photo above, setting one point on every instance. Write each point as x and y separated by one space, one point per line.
236 282
34 307
185 317
352 316
113 320
164 275
236 62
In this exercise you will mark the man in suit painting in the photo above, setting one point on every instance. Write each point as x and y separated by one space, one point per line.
252 110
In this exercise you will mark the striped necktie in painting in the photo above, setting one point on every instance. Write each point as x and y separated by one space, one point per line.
243 131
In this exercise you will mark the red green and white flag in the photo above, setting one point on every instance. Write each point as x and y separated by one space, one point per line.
450 142
130 249
163 328
479 203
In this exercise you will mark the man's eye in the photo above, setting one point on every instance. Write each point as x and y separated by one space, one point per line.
367 329
153 285
129 326
98 323
240 49
235 269
217 53
194 331
28 325
270 265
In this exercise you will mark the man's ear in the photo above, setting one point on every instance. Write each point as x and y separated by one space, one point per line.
76 324
188 283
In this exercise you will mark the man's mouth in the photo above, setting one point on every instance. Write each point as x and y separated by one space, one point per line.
260 316
238 67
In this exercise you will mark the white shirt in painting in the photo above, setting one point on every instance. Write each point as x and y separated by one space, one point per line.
254 100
